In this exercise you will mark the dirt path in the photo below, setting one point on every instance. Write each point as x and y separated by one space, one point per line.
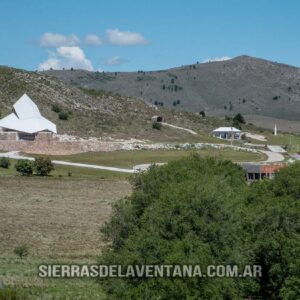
180 128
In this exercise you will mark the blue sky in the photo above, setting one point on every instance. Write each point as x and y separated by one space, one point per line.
124 35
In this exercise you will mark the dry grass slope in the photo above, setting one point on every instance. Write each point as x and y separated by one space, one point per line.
91 113
244 84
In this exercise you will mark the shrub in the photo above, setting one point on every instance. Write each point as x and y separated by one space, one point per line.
56 108
43 166
4 162
24 166
156 125
21 251
63 115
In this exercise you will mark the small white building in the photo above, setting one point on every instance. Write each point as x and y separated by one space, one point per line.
26 120
227 133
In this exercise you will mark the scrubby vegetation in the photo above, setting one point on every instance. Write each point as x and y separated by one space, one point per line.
43 166
24 167
201 211
157 125
63 115
4 162
21 251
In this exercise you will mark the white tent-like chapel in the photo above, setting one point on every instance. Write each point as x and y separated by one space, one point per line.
26 120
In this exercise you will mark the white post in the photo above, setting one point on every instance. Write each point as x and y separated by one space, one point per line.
275 130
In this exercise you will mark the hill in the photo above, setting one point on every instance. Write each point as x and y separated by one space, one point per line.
90 112
244 84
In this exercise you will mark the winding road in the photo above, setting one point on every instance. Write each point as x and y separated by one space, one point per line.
272 158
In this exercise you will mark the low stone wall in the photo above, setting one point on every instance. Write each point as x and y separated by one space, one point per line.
45 136
53 146
8 136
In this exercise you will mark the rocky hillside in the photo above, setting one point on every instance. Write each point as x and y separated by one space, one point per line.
244 84
90 112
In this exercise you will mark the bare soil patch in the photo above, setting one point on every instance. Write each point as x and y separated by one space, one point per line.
59 217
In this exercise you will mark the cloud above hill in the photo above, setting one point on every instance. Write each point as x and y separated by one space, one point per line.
68 54
115 61
54 40
66 57
124 38
223 58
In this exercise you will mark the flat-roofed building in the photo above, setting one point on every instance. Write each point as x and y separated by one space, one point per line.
227 133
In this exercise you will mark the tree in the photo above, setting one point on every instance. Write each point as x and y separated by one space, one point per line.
21 251
43 166
175 216
202 113
239 118
4 162
24 166
201 211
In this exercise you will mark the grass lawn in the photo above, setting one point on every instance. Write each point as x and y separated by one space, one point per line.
131 158
291 141
69 172
59 220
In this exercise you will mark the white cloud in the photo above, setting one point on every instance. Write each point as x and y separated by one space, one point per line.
66 57
115 61
124 38
223 58
93 40
55 40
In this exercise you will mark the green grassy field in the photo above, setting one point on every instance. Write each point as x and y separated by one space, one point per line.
131 158
290 141
70 172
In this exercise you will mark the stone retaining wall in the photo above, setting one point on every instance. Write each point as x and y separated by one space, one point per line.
8 136
53 146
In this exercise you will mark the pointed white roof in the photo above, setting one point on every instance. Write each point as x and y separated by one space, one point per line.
25 108
26 117
226 129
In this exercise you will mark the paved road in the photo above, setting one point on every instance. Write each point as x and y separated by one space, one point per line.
272 157
15 155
